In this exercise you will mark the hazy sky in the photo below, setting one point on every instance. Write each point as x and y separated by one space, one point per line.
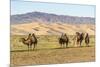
20 7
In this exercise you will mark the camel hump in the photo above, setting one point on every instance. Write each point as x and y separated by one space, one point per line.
33 37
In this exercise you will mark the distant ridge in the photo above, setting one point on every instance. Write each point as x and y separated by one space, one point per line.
49 18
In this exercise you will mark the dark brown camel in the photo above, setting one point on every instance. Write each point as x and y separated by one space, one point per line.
79 38
87 39
63 40
34 40
31 40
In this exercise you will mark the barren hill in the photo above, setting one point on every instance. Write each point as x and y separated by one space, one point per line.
49 18
40 28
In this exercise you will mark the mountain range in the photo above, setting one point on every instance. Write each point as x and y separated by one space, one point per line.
49 18
50 24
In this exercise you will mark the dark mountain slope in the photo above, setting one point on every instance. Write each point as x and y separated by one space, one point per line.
49 18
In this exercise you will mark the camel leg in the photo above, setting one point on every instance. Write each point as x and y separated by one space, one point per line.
80 43
77 43
34 47
28 47
87 45
61 45
31 47
66 44
74 43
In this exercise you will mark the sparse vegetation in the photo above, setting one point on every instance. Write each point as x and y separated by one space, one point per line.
48 51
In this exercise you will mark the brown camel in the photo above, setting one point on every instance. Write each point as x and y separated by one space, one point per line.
87 39
31 40
63 40
79 38
27 42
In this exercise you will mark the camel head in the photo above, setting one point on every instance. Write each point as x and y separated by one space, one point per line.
22 40
86 34
33 34
29 35
77 33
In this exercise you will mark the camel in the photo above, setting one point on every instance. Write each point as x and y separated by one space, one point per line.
34 40
79 38
63 40
27 42
87 39
31 40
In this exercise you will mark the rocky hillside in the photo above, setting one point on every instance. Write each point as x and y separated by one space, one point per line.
49 18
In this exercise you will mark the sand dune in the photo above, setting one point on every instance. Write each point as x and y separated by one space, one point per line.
51 29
